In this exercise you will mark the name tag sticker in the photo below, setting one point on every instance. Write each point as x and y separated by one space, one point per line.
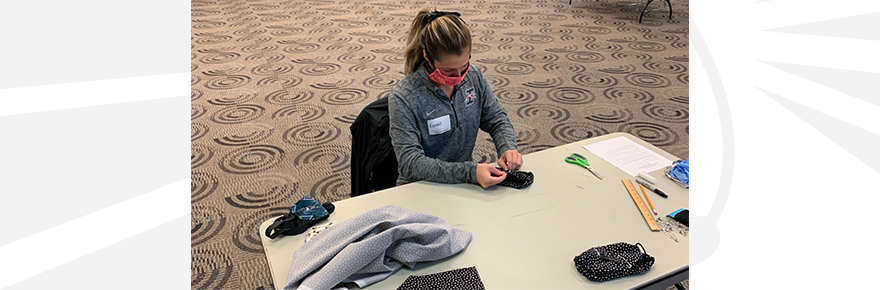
439 125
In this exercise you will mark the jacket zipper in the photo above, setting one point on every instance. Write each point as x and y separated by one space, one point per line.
457 123
451 103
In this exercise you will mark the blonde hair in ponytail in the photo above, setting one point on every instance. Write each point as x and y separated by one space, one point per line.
447 34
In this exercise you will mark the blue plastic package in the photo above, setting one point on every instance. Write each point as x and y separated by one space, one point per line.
308 209
681 172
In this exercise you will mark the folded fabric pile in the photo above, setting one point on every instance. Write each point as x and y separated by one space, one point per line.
370 247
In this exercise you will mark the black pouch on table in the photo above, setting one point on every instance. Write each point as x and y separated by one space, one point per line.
613 261
682 216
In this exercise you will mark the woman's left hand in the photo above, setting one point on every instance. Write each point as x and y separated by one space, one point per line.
510 160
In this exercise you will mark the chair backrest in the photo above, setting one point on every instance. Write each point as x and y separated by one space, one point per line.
373 164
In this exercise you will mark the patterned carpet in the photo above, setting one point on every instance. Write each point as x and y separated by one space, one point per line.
276 84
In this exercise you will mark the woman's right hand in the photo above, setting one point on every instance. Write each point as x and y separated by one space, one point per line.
488 175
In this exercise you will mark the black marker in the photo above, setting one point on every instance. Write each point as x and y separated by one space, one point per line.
655 189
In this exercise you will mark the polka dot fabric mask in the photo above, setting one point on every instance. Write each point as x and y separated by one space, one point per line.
459 279
517 179
613 261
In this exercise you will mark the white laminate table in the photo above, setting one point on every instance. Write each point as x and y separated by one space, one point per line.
528 238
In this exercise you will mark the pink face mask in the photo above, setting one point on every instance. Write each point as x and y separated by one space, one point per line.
449 81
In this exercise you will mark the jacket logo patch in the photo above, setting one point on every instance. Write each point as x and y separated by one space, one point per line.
470 97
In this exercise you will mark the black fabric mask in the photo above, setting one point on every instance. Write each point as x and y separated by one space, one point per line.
461 279
517 179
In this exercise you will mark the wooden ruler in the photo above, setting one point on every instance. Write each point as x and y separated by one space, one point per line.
641 204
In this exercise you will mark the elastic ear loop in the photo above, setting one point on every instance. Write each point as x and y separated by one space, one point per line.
272 231
644 252
424 43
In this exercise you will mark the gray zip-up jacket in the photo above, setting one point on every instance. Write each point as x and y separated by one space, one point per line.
434 136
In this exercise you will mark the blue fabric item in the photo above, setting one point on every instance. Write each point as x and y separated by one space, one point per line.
681 172
308 209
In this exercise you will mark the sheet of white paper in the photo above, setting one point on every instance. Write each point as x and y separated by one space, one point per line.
629 156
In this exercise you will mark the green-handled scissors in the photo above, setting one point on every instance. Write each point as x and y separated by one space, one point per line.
578 159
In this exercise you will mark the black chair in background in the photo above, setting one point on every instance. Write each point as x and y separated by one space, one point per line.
668 4
646 9
373 163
